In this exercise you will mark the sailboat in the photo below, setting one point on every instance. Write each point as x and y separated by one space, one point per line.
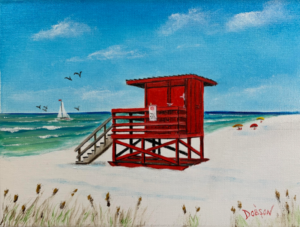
62 113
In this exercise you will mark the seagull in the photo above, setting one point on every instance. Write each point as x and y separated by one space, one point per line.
68 78
45 110
79 74
38 106
77 108
45 107
183 96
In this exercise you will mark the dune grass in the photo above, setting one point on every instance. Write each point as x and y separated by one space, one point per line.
289 215
190 220
68 212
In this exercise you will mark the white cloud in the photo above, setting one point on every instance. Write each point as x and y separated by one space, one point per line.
66 28
75 59
114 52
255 90
177 21
272 12
188 46
97 94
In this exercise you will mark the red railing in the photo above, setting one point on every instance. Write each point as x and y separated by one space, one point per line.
170 120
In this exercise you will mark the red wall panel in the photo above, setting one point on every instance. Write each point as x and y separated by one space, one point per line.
157 96
177 93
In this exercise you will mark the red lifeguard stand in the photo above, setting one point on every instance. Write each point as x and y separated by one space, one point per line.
180 114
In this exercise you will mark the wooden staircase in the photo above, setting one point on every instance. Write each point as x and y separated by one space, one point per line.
104 141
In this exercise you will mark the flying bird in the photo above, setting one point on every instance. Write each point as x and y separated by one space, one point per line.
77 108
45 107
38 106
68 78
79 74
45 110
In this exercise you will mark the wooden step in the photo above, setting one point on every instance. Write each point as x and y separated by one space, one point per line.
96 154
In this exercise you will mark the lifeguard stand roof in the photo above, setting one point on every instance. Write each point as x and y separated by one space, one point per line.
141 82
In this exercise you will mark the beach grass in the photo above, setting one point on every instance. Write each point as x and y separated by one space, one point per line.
191 220
289 215
68 212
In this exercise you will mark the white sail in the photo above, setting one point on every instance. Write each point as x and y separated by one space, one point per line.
62 113
59 113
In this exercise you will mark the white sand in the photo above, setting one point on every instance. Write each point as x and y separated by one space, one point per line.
244 165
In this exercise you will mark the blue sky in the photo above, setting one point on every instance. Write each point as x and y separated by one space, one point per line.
251 48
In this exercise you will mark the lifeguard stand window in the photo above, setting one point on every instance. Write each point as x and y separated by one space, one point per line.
157 96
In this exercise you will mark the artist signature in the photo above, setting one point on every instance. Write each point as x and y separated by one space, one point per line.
258 212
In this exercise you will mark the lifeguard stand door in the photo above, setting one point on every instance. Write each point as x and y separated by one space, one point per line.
178 96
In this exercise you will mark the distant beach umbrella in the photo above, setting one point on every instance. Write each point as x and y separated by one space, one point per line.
254 126
239 126
261 119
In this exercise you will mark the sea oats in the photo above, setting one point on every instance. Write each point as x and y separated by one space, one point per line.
277 194
239 204
62 205
5 192
287 207
139 201
23 208
233 209
16 198
184 209
107 199
38 189
55 190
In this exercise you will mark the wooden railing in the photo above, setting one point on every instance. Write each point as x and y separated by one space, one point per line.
170 120
96 139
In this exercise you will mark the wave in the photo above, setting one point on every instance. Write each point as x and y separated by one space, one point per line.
27 121
82 133
51 127
15 145
15 129
47 136
53 121
219 120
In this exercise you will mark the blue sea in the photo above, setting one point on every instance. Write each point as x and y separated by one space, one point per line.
34 134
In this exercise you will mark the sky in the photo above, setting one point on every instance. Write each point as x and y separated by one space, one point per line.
250 48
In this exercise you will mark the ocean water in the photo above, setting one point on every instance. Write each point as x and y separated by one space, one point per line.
33 134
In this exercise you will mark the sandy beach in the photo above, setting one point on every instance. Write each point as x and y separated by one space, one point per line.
246 165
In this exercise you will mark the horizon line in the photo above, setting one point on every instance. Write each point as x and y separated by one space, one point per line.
208 112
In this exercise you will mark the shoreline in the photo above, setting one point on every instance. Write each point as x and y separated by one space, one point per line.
211 124
246 165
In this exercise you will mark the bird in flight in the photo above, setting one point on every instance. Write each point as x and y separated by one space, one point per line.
38 106
79 74
68 78
45 107
77 108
